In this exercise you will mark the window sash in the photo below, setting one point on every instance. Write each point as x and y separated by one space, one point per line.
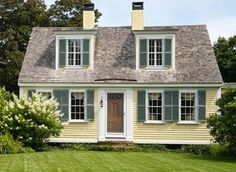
155 52
47 94
74 52
154 109
188 106
77 105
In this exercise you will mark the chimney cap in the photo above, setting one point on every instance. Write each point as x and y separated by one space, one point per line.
137 5
88 7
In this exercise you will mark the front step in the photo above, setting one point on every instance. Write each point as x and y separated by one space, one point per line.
115 139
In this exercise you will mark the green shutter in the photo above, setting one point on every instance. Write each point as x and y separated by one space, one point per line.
62 97
85 60
141 105
168 52
168 106
171 105
143 53
30 93
201 105
90 104
62 52
175 94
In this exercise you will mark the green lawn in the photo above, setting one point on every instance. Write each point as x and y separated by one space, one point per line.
112 161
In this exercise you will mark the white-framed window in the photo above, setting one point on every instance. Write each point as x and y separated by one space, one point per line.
46 93
155 52
154 104
77 105
74 52
188 108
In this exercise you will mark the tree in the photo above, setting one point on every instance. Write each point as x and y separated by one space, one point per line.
17 18
16 21
225 51
223 125
68 13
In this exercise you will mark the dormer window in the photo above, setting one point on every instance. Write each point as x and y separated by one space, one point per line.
156 52
75 51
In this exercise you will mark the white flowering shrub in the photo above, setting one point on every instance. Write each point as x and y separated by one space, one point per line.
32 120
5 96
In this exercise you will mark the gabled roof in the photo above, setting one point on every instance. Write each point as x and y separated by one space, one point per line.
114 59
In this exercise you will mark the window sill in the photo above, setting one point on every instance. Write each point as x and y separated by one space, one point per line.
154 122
158 68
78 121
188 123
74 67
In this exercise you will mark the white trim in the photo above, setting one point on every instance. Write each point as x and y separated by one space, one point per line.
77 121
69 104
101 116
57 54
218 94
72 140
124 114
137 85
196 142
188 122
128 114
115 135
21 91
154 121
45 91
62 34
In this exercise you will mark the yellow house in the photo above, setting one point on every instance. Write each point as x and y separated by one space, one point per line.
139 84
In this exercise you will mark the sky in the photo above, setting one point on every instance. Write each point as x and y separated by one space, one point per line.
218 15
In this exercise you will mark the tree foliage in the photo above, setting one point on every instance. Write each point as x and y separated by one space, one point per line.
16 21
17 18
223 125
68 13
225 51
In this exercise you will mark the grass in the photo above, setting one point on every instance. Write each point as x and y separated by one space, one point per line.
60 160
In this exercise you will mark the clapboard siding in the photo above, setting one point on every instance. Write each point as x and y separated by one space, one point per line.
174 131
87 130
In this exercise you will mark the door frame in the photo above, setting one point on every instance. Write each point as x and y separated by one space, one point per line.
127 135
110 134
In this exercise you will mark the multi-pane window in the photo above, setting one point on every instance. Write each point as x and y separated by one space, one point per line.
154 106
77 106
74 52
155 55
188 109
47 94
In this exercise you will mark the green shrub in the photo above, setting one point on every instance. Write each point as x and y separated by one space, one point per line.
111 147
207 150
32 121
9 146
223 124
